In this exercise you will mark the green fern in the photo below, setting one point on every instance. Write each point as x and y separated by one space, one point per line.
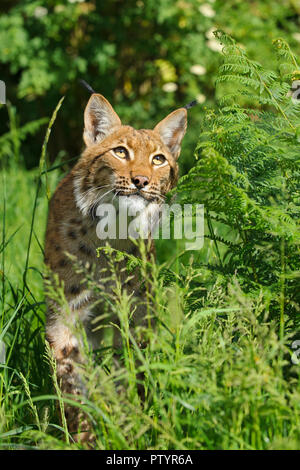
247 176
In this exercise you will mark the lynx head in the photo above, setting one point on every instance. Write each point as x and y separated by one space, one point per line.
122 161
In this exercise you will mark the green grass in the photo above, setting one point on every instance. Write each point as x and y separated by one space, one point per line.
217 369
217 377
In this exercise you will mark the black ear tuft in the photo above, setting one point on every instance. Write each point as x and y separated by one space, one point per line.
191 104
87 86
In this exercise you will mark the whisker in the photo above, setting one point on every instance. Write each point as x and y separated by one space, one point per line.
103 195
91 190
93 207
117 192
160 197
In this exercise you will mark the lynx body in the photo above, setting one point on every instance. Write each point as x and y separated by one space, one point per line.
138 165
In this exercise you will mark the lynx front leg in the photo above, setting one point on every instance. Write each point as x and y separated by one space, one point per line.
66 351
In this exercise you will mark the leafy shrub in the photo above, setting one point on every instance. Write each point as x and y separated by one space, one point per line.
217 370
129 51
247 176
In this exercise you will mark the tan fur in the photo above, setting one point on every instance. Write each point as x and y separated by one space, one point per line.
71 225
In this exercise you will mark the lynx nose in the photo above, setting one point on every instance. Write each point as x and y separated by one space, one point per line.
140 181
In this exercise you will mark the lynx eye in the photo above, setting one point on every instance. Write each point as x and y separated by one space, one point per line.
121 152
158 159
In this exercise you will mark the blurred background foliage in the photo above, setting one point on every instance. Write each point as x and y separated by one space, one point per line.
147 57
227 378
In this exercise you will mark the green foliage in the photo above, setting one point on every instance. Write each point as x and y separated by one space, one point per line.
130 52
247 176
10 142
217 369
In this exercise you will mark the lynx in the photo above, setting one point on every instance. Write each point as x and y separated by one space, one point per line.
119 161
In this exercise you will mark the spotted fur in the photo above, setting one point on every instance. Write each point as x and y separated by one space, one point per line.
100 176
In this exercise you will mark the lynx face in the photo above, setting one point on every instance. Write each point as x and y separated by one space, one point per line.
121 161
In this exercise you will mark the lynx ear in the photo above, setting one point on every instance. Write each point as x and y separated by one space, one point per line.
172 130
100 120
